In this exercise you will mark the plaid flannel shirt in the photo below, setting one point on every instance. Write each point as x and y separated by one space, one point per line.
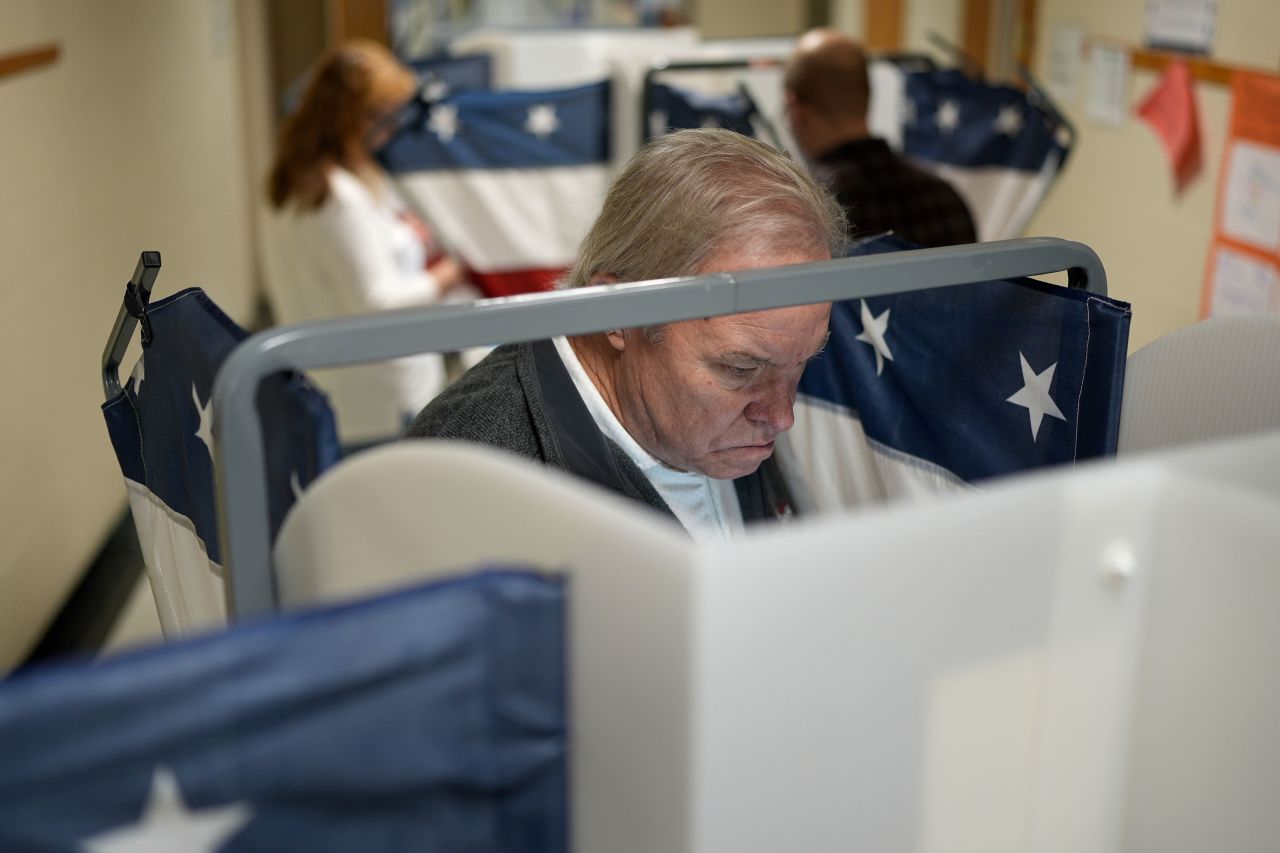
880 191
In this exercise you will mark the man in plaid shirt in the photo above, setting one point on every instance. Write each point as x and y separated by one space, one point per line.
827 93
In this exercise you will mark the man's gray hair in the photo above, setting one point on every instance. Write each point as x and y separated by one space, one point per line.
691 194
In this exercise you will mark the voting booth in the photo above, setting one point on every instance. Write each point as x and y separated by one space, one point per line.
1040 663
1077 656
1083 660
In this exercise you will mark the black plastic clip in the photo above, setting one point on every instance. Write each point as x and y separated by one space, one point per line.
135 302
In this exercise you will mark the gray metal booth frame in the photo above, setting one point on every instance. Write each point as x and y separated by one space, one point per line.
237 432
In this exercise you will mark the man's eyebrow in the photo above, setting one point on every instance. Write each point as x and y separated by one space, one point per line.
739 355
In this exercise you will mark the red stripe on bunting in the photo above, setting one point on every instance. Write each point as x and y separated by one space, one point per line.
513 282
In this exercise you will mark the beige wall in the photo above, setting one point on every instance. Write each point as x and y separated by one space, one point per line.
136 139
749 18
1117 192
849 16
920 17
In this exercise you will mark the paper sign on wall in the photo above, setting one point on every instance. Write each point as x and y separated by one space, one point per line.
1243 273
1251 202
1108 101
1185 25
1066 50
1242 284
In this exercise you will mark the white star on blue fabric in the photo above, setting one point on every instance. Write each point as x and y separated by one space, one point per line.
435 89
710 120
139 374
542 120
909 112
166 824
948 116
1008 120
444 121
205 431
873 332
1034 395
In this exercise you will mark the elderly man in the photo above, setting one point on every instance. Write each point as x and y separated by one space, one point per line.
827 95
681 417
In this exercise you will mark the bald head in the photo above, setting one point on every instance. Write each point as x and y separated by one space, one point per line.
827 89
828 73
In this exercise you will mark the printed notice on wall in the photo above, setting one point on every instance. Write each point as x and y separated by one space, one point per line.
1185 25
1108 101
1243 273
1251 199
1241 284
1066 59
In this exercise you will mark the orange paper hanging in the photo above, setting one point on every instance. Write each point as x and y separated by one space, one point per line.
1171 112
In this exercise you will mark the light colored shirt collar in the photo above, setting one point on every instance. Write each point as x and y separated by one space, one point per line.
604 417
707 508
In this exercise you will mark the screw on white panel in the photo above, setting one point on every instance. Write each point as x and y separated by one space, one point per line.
1118 564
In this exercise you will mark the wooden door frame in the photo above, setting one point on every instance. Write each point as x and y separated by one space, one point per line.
367 19
882 23
978 19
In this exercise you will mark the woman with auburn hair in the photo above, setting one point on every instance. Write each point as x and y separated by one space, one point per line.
338 240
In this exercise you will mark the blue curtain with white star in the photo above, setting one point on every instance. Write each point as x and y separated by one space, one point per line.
161 429
511 179
428 719
676 108
951 118
442 75
504 129
1001 148
936 390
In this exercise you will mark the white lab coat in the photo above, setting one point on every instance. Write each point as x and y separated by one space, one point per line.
355 255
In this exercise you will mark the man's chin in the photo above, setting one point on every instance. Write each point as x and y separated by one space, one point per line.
734 462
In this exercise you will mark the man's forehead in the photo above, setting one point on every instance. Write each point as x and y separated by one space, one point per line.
736 257
779 335
793 320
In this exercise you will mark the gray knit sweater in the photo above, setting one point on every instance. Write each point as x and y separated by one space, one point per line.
521 399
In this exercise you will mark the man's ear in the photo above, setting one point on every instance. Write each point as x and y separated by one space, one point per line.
615 336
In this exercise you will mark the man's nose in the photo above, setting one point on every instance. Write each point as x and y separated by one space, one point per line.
774 407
